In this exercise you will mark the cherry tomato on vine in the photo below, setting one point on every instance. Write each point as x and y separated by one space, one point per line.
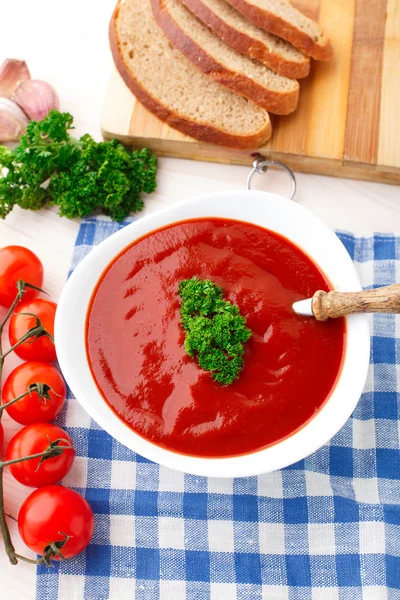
17 263
52 511
43 348
1 438
34 439
33 409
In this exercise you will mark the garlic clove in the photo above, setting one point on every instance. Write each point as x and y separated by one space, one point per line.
12 71
13 120
36 98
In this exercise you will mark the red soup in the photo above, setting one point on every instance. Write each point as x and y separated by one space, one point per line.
135 339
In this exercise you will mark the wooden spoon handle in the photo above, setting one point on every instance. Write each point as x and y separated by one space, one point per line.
330 305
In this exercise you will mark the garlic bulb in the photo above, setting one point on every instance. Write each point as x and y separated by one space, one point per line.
12 71
36 98
13 120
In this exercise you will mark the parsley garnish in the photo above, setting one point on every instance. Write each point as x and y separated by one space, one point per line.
79 176
215 329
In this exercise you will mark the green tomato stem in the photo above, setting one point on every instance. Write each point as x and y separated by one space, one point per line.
4 406
9 546
3 322
31 561
1 374
41 389
35 333
9 312
50 452
10 550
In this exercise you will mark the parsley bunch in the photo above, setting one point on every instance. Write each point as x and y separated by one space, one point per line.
215 329
79 176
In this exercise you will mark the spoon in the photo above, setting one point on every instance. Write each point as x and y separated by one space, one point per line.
331 305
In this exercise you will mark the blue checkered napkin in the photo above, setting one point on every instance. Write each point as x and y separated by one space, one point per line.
327 528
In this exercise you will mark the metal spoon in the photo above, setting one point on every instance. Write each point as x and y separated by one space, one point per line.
331 305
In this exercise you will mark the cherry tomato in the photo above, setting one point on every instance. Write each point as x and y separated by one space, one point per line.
33 439
31 409
43 348
52 511
17 263
1 439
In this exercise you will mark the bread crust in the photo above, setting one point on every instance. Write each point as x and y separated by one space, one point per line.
245 44
278 26
274 102
199 131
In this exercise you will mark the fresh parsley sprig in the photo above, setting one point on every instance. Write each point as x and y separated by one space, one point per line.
215 329
78 175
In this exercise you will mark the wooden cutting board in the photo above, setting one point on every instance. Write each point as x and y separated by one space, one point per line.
348 120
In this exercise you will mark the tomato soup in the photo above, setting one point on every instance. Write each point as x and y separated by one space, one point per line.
135 339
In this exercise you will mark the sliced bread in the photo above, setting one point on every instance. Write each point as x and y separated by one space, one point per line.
214 57
174 90
242 35
284 20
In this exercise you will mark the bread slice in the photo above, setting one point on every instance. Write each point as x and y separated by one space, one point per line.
211 55
239 33
284 20
174 90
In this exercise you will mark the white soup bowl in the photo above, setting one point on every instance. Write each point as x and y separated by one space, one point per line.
267 210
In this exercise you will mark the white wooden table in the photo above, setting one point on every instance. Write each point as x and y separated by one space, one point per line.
66 44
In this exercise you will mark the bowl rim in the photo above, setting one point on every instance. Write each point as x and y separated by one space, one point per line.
69 336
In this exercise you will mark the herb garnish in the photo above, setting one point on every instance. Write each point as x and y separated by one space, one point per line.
79 176
215 329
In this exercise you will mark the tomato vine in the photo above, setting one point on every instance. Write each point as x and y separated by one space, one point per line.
53 449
